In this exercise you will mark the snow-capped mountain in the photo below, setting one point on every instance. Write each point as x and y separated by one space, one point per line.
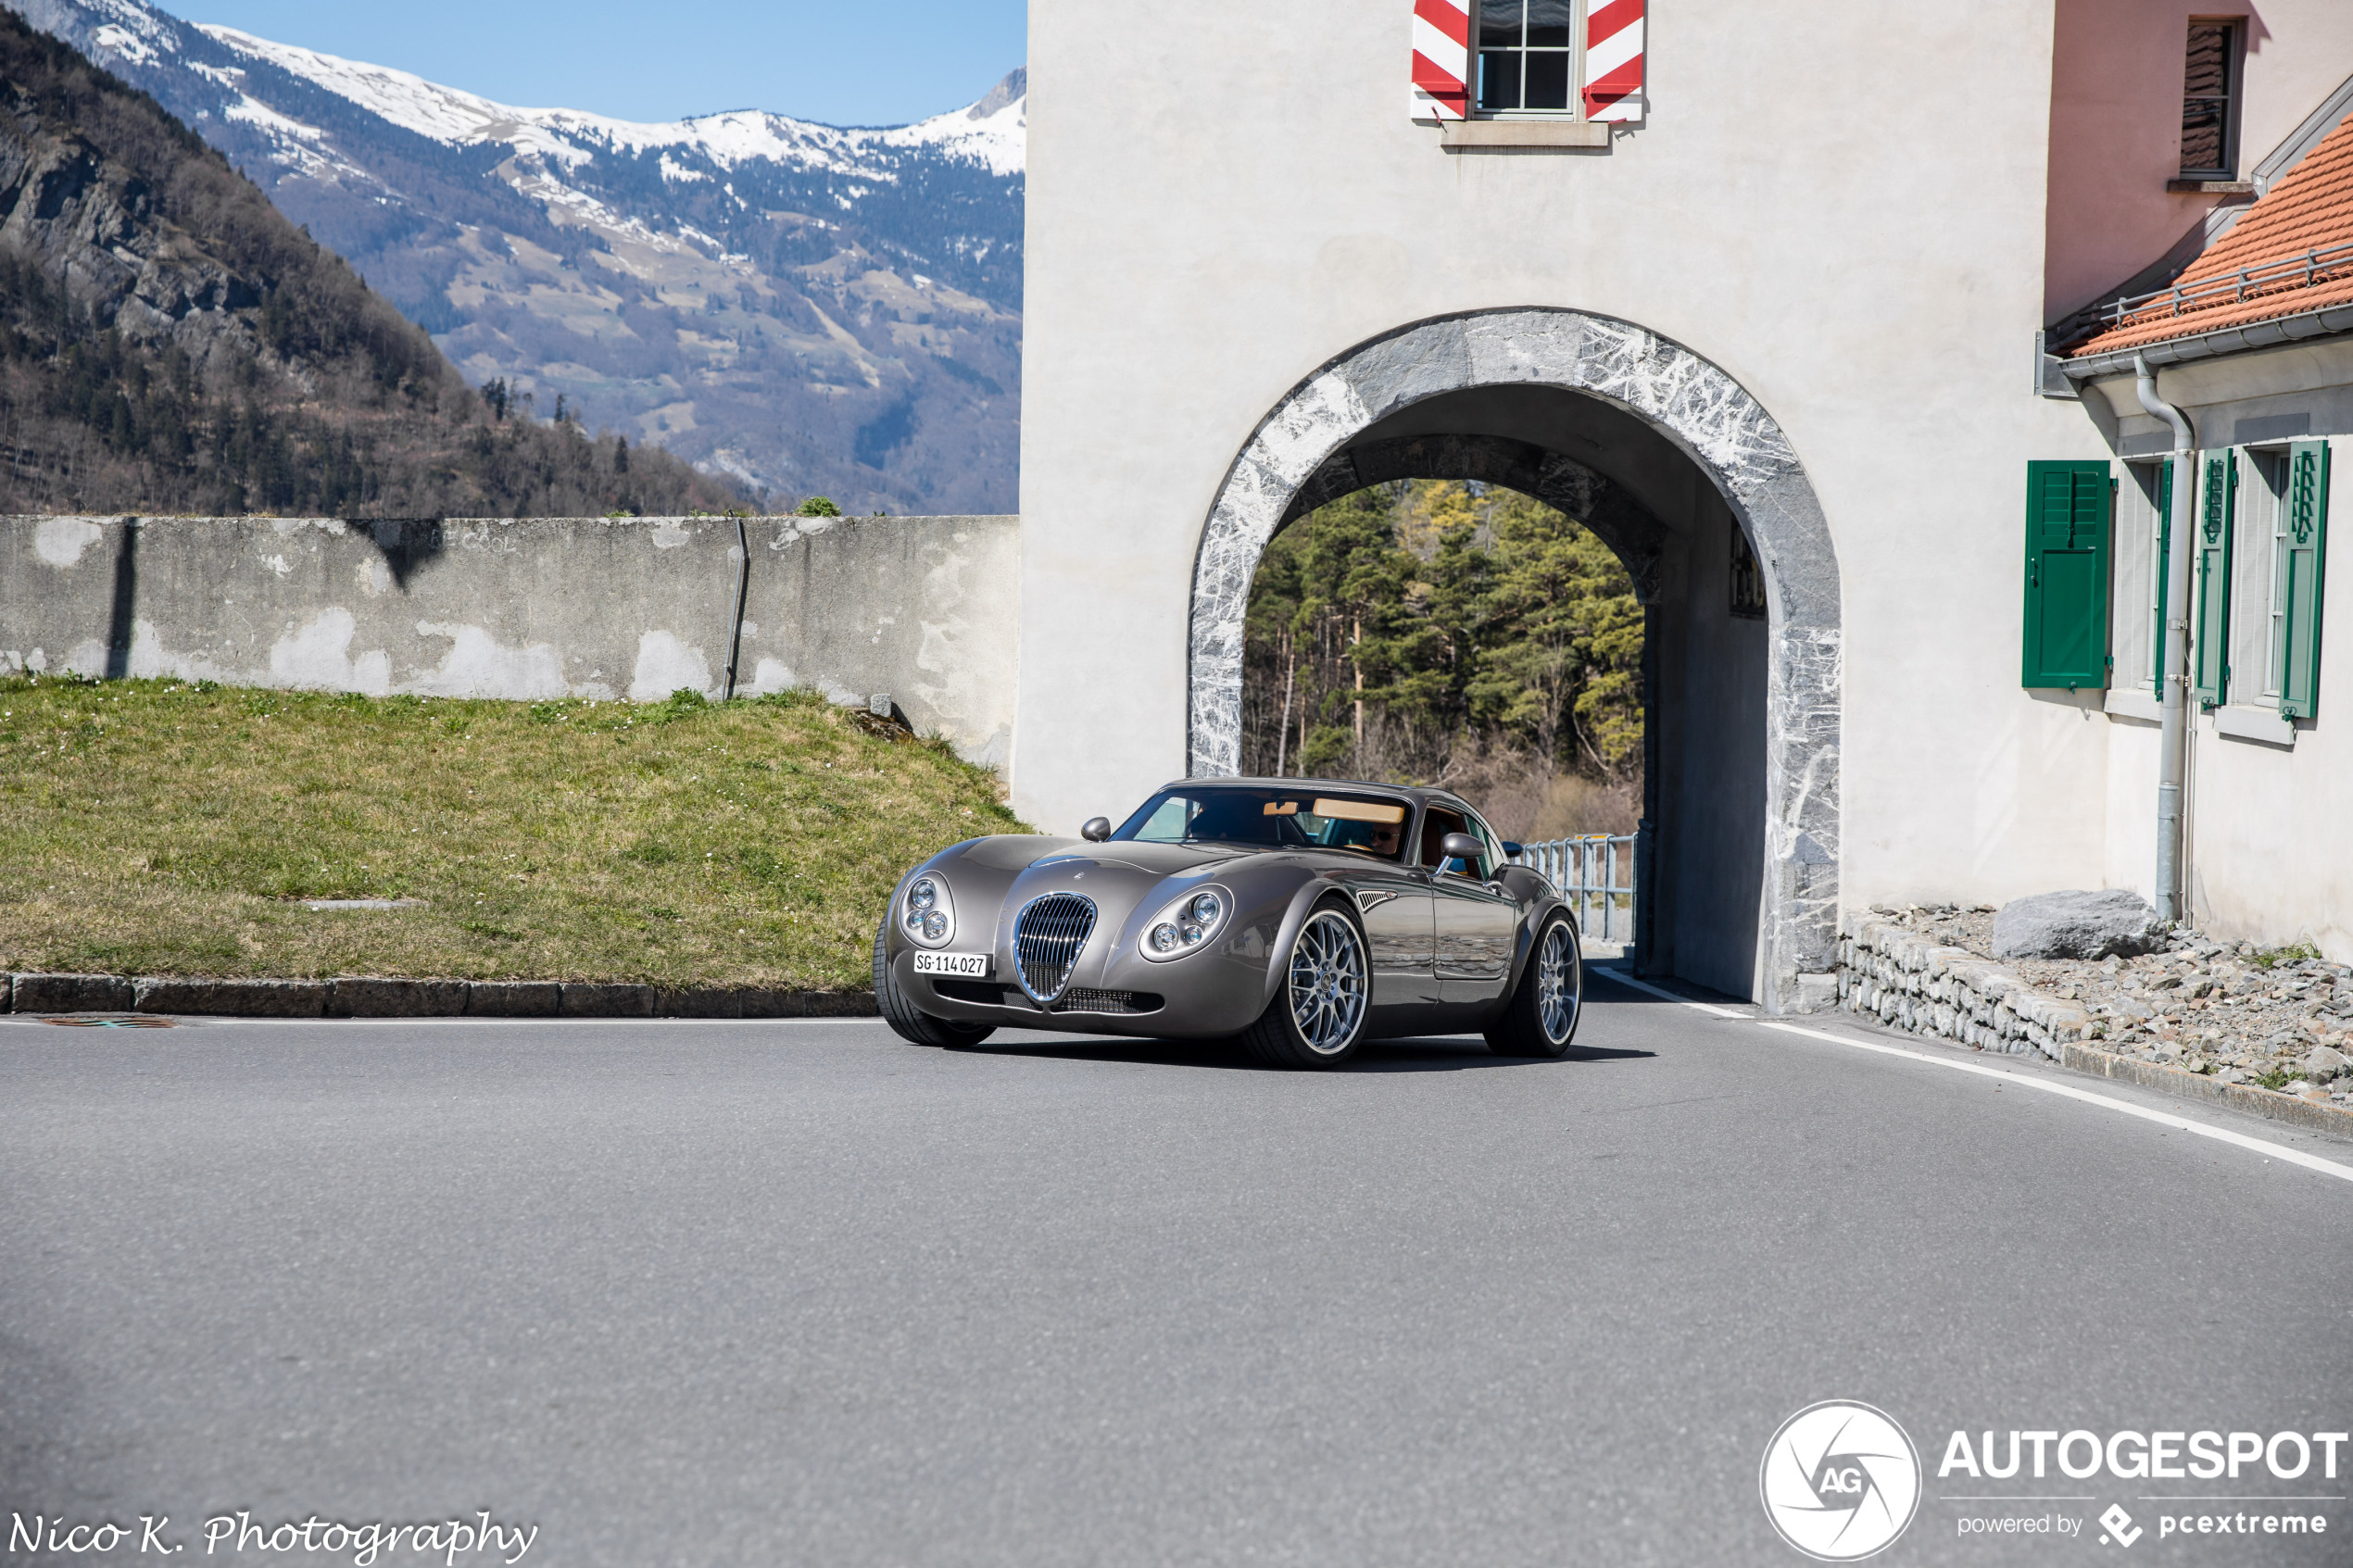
808 309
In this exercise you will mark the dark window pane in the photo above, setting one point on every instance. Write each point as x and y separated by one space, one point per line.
1548 23
2208 72
1499 80
1499 24
1547 80
2201 135
2207 110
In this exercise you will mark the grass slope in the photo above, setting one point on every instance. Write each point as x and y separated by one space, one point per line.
149 827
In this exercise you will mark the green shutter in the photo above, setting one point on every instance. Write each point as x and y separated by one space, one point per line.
2068 507
2209 655
2308 525
2164 573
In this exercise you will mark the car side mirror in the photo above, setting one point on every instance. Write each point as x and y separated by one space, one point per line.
1095 829
1514 851
1461 847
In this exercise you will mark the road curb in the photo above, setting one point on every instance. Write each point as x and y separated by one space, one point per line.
360 996
2270 1104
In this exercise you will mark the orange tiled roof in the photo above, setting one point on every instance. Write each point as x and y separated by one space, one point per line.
2311 209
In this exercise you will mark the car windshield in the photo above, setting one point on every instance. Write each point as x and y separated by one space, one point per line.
1289 819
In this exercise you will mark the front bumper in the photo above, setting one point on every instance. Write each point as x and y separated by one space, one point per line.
1201 995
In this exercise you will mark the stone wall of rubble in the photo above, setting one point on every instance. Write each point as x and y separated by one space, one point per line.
1910 981
2252 1027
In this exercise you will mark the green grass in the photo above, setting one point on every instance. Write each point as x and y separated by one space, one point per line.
152 827
2274 956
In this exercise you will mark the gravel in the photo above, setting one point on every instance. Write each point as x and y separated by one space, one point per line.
2244 1015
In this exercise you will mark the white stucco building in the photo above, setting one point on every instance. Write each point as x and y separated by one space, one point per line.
1782 291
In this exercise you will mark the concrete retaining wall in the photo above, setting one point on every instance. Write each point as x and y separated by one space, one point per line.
923 609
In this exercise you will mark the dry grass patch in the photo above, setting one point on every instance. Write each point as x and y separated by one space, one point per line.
151 827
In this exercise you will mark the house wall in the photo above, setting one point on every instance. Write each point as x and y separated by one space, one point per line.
2268 850
2269 841
2116 124
1871 276
606 607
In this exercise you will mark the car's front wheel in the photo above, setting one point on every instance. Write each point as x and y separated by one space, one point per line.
911 1022
1540 1018
1318 1014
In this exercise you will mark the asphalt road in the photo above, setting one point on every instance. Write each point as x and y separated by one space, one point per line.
796 1293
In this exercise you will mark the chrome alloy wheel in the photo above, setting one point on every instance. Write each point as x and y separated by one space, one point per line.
1556 992
1328 988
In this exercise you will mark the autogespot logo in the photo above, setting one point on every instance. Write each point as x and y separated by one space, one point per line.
1840 1480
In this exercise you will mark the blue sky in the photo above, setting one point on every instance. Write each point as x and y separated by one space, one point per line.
844 62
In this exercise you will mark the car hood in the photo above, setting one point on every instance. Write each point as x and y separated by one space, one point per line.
1122 878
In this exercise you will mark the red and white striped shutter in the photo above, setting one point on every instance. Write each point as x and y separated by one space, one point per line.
1614 59
1442 58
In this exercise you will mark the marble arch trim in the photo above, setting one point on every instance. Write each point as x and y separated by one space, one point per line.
1706 413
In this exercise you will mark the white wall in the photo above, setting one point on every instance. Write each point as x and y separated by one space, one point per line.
1216 208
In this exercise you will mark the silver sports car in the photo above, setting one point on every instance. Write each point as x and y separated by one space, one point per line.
1302 916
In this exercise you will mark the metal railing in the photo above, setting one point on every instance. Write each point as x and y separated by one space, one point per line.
1596 874
2288 272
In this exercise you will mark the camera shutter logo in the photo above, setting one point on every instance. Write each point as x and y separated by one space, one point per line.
1840 1481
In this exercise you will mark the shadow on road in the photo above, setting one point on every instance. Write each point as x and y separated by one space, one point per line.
1685 991
1448 1053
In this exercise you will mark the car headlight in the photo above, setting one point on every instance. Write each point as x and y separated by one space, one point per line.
1187 926
925 913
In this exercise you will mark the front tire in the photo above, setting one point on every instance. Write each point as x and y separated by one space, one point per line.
906 1019
1318 1015
1541 1017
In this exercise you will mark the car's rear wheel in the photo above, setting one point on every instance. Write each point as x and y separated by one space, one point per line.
1540 1018
911 1022
1318 1014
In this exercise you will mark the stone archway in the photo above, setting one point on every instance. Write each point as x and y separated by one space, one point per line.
1298 457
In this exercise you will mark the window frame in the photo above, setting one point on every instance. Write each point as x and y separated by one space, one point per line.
2257 654
2136 632
1575 108
2232 96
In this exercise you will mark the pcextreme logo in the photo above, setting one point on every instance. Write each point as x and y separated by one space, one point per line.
1840 1481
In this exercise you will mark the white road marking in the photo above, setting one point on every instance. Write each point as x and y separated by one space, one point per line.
2068 1091
1622 978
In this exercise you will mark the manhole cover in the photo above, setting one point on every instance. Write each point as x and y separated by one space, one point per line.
113 1023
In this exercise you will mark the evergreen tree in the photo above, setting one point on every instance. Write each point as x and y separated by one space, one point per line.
1396 632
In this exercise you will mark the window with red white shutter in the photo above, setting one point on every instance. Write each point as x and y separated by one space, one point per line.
1528 59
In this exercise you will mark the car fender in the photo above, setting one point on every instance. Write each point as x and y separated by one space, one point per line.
1534 911
1314 887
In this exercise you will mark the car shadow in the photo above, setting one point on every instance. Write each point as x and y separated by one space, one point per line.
1438 1053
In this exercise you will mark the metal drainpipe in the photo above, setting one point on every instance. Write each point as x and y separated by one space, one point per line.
2174 733
736 624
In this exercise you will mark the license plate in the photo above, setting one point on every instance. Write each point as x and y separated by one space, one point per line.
968 966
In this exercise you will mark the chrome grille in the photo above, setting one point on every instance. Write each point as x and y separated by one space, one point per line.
1048 934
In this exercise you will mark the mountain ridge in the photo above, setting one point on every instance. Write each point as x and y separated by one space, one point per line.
170 342
802 308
